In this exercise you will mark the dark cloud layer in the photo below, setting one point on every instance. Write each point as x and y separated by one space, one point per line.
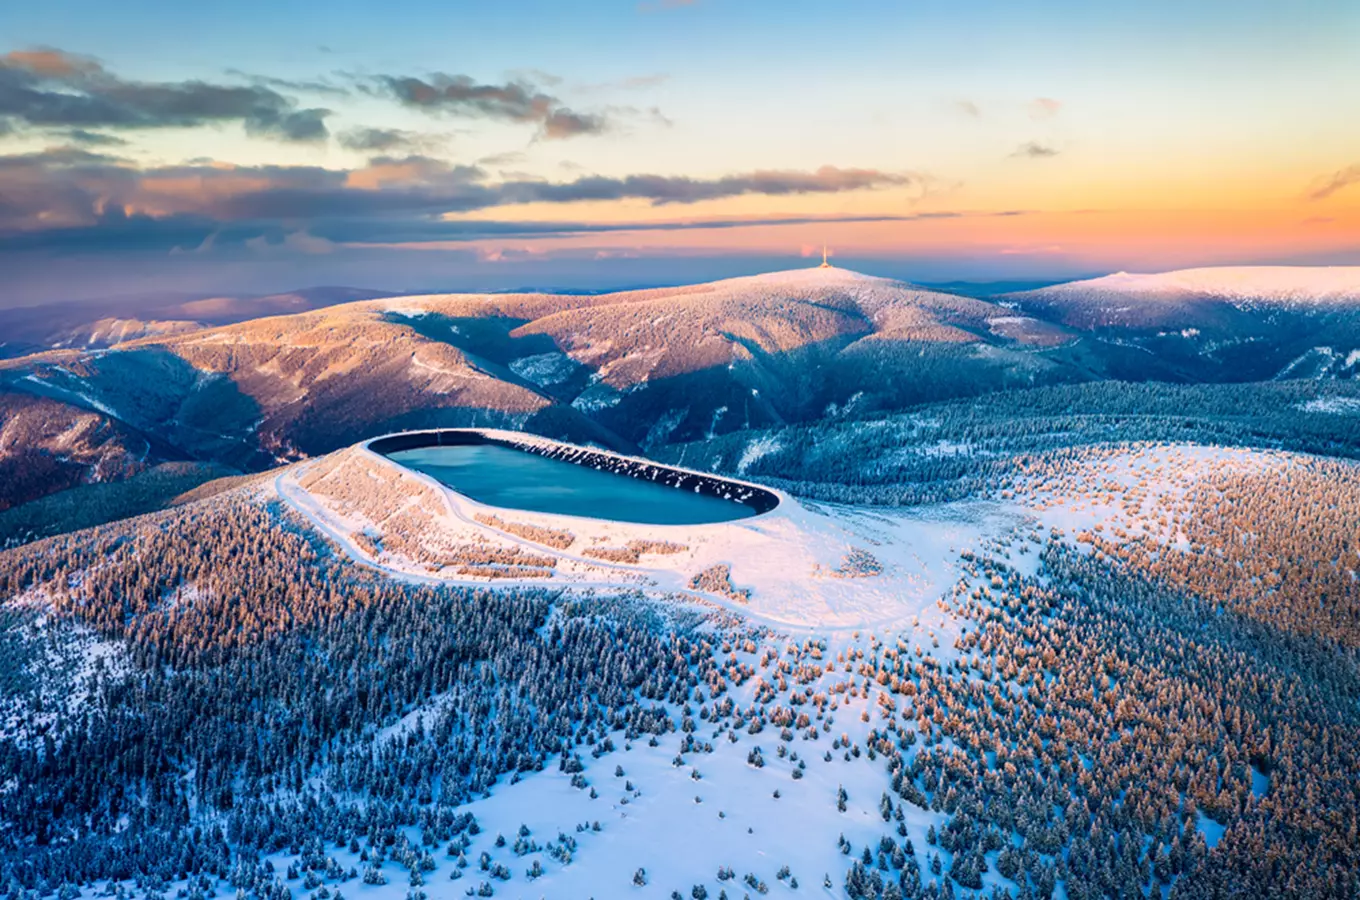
93 138
660 189
380 140
515 101
304 86
183 234
74 196
70 182
51 89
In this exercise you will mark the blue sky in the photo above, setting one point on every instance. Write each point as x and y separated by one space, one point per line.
1130 135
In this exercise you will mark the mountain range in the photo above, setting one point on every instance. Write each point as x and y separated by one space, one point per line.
239 384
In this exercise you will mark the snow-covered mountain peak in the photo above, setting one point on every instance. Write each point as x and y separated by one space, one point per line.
816 275
1236 284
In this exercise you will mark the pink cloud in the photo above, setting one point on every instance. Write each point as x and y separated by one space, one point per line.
1044 107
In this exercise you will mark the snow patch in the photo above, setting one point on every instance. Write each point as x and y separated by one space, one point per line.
1334 406
545 369
756 450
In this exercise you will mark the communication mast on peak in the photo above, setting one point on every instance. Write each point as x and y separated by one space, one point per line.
825 264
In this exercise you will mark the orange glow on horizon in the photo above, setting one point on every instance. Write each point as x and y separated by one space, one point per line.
1163 238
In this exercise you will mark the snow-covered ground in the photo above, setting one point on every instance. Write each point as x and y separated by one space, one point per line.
800 567
680 824
55 664
680 829
545 369
803 568
1243 285
850 580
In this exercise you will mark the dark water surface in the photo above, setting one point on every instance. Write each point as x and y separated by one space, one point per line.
516 479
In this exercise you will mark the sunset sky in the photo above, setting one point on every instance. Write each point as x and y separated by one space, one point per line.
260 146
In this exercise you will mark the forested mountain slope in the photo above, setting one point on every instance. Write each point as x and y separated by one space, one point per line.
1219 324
640 368
46 445
649 369
1090 696
96 324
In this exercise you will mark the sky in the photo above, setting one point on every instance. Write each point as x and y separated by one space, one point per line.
157 147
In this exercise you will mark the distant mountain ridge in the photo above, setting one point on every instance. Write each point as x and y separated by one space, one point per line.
1241 284
643 369
103 323
1247 323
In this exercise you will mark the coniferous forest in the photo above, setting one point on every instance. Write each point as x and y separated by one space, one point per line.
194 696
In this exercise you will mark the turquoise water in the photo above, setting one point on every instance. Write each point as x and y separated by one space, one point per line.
515 479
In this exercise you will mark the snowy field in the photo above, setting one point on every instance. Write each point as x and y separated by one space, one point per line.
661 827
802 567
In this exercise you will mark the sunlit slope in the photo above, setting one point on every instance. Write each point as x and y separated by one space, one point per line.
631 369
643 370
846 698
1245 323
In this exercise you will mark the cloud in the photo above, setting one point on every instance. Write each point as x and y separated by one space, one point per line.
299 125
1035 150
1044 107
1043 250
302 242
508 157
49 63
661 189
93 138
72 196
536 76
303 86
564 123
506 254
1337 181
438 233
49 88
514 101
381 140
640 82
968 108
